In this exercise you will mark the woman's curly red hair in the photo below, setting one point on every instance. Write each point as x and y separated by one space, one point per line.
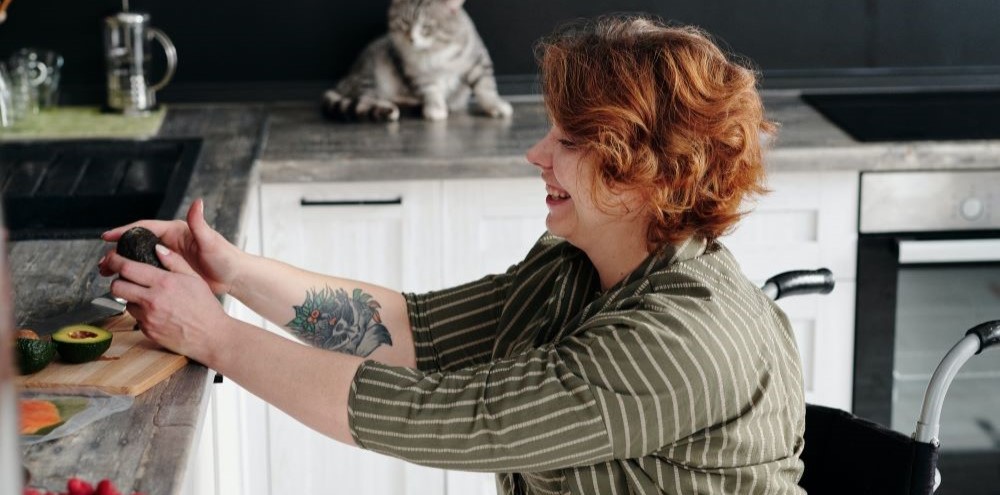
666 113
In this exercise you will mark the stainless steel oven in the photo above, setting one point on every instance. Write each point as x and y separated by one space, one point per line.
928 269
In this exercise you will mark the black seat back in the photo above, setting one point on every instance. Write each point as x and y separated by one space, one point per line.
845 454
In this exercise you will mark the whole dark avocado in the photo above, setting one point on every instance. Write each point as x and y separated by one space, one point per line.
139 244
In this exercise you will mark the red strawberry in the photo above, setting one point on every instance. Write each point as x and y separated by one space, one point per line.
32 491
106 487
76 486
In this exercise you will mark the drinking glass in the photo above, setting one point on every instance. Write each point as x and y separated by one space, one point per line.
6 102
39 70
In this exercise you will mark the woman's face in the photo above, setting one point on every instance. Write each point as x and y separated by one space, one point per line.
573 213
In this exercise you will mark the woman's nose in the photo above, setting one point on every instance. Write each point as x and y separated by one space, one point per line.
536 155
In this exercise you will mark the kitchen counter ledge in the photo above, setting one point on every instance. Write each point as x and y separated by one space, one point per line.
147 447
302 147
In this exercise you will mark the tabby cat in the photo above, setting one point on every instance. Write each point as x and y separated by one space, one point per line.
431 58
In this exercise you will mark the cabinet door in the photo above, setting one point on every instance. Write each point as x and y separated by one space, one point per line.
231 455
380 232
808 221
489 224
810 218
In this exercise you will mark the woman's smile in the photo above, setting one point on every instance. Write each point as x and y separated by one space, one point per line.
555 196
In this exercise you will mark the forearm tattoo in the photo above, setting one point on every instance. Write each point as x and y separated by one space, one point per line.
330 319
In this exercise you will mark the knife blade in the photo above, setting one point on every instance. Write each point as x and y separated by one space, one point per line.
99 308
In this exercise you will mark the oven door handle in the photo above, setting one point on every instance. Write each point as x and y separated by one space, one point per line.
949 251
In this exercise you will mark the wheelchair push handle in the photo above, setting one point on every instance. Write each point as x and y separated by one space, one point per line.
988 333
976 339
796 282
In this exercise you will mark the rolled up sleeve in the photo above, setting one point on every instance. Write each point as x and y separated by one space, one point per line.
530 412
454 328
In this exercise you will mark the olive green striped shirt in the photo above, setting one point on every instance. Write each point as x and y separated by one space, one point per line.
683 378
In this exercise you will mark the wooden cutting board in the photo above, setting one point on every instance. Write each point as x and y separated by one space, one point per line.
131 366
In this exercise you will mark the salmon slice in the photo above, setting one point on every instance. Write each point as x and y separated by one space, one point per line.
37 415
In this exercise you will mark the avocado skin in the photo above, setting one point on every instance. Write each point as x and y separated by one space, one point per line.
34 354
76 351
139 244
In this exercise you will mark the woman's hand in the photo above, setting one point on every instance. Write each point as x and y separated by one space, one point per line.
175 308
208 253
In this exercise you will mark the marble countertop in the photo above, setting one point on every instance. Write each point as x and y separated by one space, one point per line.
147 447
301 146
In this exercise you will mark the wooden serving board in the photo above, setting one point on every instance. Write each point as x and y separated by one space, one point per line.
131 366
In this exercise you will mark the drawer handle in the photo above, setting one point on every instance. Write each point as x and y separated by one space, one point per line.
351 202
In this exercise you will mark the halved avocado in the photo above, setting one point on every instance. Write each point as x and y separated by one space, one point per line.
81 343
33 353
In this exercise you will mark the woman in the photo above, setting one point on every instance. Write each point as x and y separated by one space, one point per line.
627 353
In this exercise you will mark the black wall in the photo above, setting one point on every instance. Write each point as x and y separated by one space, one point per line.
253 49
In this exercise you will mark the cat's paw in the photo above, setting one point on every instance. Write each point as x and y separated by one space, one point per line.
384 112
497 108
435 111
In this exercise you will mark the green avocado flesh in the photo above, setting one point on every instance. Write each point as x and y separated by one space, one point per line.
139 244
81 343
34 354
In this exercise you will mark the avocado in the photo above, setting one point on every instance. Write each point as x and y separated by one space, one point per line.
139 244
81 343
33 353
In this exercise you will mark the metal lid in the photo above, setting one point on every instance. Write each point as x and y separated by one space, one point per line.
127 18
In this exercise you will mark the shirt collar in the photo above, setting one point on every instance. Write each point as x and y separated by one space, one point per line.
670 254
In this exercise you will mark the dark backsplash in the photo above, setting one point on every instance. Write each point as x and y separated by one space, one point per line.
257 50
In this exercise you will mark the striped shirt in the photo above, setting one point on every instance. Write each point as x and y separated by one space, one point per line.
683 378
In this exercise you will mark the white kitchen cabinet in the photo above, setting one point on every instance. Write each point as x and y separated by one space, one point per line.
809 220
231 455
413 236
397 234
489 224
386 233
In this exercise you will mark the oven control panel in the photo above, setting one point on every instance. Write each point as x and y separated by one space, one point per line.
929 200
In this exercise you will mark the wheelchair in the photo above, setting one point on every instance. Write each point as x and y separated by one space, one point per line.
846 454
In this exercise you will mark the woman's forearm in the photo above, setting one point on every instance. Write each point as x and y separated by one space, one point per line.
309 384
327 312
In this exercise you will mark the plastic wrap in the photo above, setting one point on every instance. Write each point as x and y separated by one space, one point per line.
49 415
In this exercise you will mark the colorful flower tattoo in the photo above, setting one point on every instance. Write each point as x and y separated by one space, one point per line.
330 319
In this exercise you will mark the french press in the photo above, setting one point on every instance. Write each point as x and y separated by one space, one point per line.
127 40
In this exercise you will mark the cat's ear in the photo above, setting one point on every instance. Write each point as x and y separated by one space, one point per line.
454 5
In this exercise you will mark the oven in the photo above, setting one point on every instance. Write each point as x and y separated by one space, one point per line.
929 269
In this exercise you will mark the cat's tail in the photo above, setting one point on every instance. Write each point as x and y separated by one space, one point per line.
339 107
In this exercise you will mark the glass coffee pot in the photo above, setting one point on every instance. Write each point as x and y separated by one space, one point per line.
127 50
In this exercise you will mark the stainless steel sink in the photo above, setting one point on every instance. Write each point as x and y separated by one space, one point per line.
75 189
912 116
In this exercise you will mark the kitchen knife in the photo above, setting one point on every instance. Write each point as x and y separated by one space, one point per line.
101 307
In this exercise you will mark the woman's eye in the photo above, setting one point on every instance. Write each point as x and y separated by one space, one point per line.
567 143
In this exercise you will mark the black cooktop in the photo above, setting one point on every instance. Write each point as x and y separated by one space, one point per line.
912 116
